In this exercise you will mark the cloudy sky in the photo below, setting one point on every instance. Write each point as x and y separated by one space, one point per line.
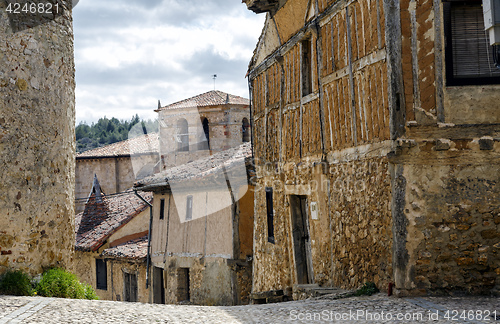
130 53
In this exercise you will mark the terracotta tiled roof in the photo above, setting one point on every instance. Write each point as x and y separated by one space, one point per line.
134 249
211 98
211 166
100 220
148 143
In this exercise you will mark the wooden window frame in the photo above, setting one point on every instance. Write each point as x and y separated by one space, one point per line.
451 79
270 215
101 281
307 83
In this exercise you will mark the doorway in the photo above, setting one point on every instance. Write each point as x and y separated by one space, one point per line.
130 287
158 286
301 239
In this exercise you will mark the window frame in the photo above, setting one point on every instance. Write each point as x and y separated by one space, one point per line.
162 208
189 207
99 265
307 69
270 215
451 80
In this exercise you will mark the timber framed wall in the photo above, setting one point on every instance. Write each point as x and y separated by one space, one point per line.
305 138
401 163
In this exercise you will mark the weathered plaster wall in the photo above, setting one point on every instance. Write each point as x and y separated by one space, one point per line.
472 104
85 269
215 247
116 271
210 281
36 141
115 174
136 228
84 266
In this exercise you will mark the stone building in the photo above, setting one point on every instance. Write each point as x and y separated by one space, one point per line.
37 107
196 127
201 242
117 166
376 132
112 243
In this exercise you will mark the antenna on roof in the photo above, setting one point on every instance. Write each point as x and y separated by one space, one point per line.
214 77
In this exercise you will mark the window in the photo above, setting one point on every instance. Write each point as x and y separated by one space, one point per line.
101 274
270 215
189 208
245 130
162 208
306 68
204 143
182 135
469 55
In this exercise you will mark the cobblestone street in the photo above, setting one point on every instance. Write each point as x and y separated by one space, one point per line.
375 309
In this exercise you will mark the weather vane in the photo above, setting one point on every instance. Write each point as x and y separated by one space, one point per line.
214 77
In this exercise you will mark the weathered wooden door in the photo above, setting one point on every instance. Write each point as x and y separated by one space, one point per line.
158 286
130 287
301 244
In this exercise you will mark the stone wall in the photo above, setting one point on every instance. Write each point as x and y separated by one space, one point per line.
451 213
225 131
361 222
350 240
37 147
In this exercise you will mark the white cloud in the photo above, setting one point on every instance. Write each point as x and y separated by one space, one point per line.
130 53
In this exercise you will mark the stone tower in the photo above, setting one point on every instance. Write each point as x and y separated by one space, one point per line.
37 118
199 126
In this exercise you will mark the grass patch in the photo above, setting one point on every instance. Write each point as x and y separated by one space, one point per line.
368 289
15 283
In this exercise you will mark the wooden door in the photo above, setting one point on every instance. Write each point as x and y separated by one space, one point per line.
130 287
158 286
301 244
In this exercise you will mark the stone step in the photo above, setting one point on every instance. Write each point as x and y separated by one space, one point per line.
313 290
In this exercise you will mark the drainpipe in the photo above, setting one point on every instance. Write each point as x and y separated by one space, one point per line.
251 114
148 258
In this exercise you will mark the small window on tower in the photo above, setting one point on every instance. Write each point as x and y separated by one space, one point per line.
162 208
245 130
189 208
